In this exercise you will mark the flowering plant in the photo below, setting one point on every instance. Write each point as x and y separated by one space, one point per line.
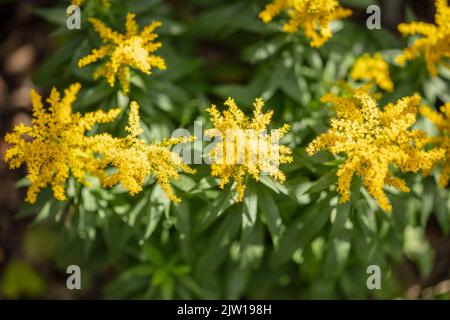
344 169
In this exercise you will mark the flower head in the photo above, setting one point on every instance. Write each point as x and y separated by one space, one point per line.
56 143
245 147
313 16
435 41
132 49
132 159
442 122
374 70
372 140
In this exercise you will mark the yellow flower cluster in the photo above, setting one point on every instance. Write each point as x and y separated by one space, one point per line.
442 122
132 49
313 16
374 70
435 43
372 141
245 146
56 143
133 159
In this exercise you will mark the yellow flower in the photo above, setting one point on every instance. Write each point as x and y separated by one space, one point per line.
313 16
105 3
442 122
435 41
372 140
374 70
56 144
132 159
132 49
245 147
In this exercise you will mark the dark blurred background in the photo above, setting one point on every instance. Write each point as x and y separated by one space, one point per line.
25 43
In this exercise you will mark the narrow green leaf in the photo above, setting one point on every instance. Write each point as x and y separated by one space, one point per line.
324 182
429 188
219 205
342 215
302 230
441 209
271 214
251 202
218 246
152 254
337 255
137 209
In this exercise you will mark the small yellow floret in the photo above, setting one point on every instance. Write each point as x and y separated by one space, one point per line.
105 3
374 70
313 16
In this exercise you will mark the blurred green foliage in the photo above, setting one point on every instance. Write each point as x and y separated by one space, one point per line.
21 280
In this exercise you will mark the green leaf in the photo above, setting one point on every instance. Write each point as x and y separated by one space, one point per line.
416 247
252 244
251 202
339 244
263 50
89 201
167 289
271 215
243 95
337 255
139 7
274 185
93 94
366 217
342 215
181 270
152 254
324 182
53 15
183 223
302 230
154 216
429 188
20 280
441 209
141 270
29 209
45 212
214 210
158 204
137 209
184 183
218 246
